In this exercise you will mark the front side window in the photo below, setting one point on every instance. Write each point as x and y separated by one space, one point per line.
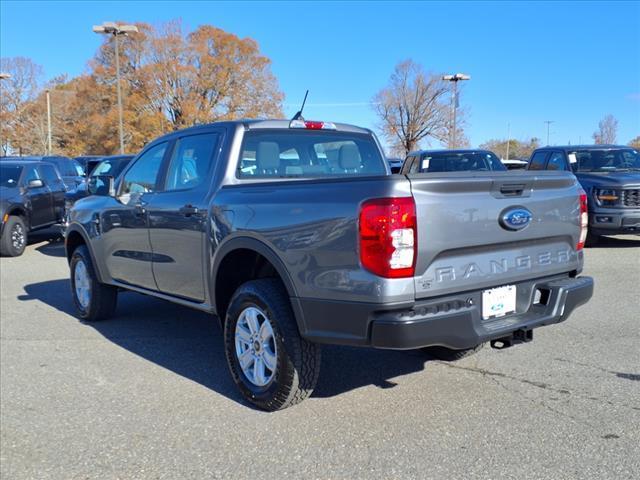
191 161
308 154
30 174
49 174
142 177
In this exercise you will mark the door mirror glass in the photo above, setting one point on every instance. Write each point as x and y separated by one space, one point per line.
102 185
35 183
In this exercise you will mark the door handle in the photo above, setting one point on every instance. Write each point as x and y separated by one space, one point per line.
188 210
138 209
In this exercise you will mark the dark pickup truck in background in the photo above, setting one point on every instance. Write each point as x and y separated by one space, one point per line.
31 197
438 161
609 174
295 234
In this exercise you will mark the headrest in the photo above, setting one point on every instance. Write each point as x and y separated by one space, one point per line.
268 156
349 156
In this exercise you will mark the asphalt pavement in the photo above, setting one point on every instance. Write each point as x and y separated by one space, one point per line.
147 394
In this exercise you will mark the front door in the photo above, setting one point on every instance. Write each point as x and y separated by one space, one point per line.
125 233
40 198
178 217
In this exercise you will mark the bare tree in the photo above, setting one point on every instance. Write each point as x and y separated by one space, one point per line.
412 107
15 92
607 131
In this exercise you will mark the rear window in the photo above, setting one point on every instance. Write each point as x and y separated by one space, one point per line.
308 154
460 162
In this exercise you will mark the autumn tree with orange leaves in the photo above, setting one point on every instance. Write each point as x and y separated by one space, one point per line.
170 79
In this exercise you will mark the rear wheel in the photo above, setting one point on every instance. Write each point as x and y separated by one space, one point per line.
271 364
449 354
93 300
14 237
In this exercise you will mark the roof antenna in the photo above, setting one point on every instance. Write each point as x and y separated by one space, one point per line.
298 116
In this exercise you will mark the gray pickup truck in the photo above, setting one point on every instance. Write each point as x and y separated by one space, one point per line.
294 234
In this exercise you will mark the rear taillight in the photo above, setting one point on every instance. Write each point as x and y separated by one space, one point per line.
388 236
583 220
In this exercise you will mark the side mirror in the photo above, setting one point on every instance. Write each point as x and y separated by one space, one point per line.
102 185
36 183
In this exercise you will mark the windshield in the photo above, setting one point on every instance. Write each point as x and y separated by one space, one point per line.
308 154
10 175
111 167
460 162
604 160
67 167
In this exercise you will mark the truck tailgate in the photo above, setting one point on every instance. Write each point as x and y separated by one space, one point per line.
462 243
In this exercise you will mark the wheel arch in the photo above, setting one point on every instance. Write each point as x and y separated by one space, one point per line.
74 237
251 259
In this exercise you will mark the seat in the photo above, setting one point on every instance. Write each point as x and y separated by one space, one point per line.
268 158
349 157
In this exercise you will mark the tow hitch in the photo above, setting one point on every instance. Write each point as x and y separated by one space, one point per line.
519 336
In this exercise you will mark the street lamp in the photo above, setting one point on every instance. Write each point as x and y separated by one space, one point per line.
548 122
455 78
112 28
47 91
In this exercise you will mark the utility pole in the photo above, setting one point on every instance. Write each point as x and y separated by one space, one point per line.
48 122
508 139
548 122
112 28
454 103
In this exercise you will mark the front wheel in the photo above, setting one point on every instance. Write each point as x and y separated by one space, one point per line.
14 237
449 354
271 364
93 300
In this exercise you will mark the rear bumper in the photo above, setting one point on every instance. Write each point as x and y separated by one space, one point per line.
454 321
608 221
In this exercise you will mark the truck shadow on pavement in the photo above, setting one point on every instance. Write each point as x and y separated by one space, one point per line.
189 343
615 242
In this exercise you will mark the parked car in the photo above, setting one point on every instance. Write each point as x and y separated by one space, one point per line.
514 164
88 162
111 166
71 171
430 161
32 197
610 175
395 164
294 234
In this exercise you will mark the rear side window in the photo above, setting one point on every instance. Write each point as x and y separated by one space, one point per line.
557 162
308 154
191 161
537 161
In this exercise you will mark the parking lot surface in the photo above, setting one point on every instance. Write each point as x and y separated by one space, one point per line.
148 395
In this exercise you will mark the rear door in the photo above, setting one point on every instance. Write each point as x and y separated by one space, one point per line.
465 243
177 216
56 186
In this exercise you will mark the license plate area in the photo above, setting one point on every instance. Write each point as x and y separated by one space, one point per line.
498 302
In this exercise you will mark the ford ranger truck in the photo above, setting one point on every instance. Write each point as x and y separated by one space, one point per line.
294 234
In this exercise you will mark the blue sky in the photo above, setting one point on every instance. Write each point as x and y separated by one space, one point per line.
571 62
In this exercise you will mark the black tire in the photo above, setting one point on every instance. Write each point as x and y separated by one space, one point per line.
592 239
102 298
14 237
297 360
450 355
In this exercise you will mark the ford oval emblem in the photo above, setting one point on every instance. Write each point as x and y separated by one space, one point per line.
515 218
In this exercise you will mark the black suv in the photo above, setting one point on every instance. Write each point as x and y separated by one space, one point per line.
32 197
609 174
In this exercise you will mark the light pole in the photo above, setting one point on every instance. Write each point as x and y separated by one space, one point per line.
112 28
508 139
454 100
548 122
48 122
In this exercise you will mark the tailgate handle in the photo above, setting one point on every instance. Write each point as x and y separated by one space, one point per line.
512 189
